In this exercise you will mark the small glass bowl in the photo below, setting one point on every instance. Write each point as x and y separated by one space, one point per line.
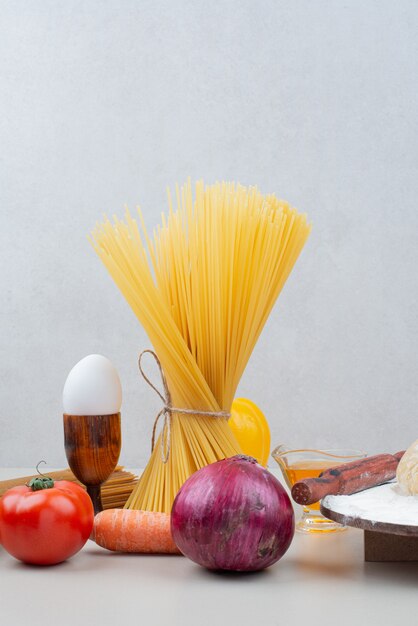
298 464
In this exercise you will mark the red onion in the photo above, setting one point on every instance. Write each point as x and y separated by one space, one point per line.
233 515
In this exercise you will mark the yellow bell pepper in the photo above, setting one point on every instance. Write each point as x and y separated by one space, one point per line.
251 429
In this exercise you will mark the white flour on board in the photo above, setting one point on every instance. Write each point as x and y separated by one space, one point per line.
385 503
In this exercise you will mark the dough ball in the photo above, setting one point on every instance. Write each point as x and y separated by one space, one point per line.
407 473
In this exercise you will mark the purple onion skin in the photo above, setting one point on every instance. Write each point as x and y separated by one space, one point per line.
233 515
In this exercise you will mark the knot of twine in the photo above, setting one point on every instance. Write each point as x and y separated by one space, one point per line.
168 409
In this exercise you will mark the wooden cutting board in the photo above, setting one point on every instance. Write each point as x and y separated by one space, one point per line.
385 538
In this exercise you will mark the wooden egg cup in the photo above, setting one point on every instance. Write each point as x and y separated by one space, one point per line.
92 445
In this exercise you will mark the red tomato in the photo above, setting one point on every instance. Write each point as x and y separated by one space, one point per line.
45 526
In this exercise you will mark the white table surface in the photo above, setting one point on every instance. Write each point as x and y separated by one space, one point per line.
320 580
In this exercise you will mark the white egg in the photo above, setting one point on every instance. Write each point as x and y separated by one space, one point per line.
92 388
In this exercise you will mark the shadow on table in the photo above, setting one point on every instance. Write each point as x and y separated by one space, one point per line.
341 557
155 560
395 574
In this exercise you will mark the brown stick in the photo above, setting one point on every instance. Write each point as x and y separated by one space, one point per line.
347 478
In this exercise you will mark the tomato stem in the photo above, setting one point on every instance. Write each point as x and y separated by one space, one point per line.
37 468
41 481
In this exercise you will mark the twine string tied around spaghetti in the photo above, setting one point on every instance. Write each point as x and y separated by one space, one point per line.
168 409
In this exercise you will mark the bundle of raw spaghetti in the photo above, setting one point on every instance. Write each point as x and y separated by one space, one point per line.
115 491
203 288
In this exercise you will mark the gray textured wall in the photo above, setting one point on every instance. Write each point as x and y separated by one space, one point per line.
105 103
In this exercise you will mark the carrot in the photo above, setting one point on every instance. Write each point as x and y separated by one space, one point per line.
125 530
